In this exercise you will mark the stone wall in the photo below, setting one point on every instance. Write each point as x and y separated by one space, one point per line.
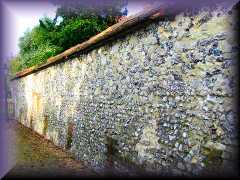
159 98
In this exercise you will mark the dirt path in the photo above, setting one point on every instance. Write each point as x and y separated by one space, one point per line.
37 157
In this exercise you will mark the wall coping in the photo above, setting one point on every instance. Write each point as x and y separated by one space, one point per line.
150 13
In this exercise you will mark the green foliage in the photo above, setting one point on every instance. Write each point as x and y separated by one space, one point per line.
36 46
15 65
77 30
51 37
39 55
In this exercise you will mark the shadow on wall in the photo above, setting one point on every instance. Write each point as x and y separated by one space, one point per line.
69 135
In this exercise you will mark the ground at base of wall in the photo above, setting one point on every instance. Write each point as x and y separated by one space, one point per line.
36 157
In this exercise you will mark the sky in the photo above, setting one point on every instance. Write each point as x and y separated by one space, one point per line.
24 15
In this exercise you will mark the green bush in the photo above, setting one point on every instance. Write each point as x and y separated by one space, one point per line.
77 30
50 38
40 55
15 65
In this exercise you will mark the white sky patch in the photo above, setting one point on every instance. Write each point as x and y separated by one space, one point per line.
134 7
